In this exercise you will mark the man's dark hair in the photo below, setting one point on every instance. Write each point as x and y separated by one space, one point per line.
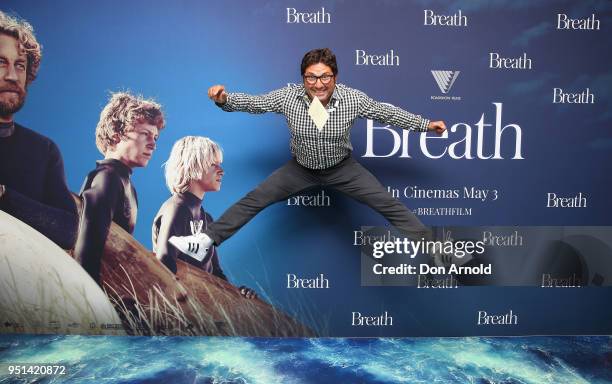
320 55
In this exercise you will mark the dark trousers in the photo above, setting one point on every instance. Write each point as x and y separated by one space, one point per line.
348 177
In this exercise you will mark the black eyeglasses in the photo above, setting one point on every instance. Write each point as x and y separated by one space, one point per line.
312 79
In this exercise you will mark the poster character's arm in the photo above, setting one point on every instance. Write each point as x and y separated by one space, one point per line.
174 222
56 215
242 102
98 204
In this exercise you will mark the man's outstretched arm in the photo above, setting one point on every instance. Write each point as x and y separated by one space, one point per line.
389 114
242 102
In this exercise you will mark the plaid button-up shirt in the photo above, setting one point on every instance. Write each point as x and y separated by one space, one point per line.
323 149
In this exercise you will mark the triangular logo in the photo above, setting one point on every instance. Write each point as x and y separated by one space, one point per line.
445 79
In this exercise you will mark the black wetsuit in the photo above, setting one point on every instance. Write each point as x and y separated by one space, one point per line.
173 219
32 170
108 195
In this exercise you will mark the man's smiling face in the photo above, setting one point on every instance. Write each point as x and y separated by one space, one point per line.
319 82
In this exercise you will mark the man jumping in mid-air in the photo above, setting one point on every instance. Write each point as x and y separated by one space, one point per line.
320 114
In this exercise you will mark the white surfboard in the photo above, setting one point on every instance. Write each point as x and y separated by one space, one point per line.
44 290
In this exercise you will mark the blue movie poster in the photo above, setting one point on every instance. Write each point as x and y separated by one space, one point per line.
294 177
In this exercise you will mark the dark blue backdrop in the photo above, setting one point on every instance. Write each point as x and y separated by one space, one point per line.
174 52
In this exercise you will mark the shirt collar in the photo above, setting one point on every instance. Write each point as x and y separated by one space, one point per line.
7 129
116 164
191 199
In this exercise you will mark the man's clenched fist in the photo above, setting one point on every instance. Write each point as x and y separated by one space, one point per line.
217 94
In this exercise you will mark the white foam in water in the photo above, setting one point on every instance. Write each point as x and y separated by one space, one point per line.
424 360
380 360
456 360
514 363
241 359
68 350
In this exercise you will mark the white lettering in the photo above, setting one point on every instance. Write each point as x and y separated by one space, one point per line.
506 319
564 22
295 282
455 20
368 321
584 97
498 62
388 59
319 17
458 149
578 201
